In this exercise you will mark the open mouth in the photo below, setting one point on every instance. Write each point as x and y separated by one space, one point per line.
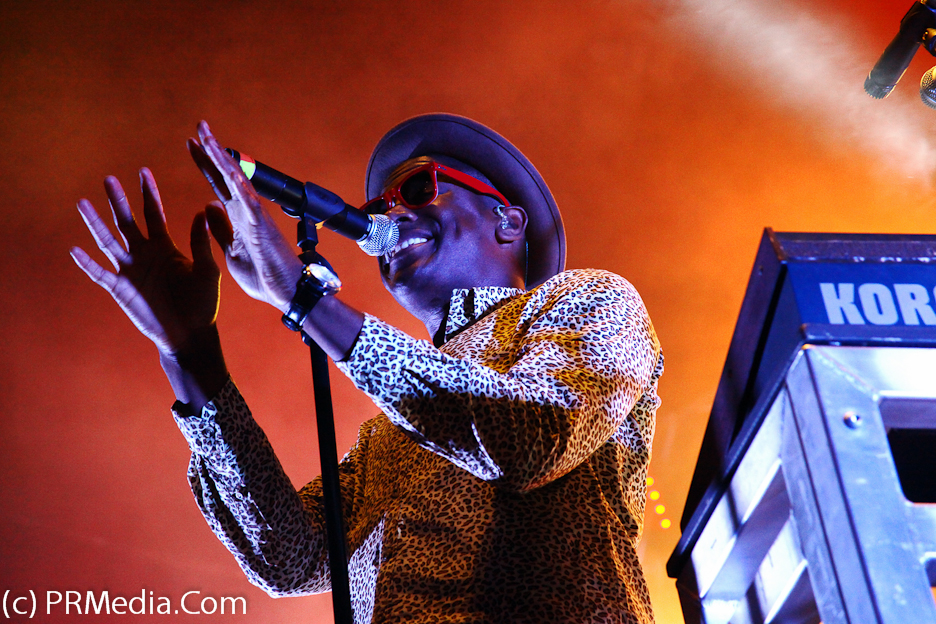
405 244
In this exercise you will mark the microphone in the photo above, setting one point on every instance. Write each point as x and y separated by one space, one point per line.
928 88
375 234
899 52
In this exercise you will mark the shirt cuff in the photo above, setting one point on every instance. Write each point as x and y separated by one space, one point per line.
204 431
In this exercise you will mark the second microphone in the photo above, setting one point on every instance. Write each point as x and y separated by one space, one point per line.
375 234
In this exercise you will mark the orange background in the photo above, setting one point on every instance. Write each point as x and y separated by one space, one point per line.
671 132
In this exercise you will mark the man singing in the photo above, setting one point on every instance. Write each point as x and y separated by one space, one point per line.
505 479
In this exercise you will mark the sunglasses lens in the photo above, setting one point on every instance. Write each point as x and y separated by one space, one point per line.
376 206
418 189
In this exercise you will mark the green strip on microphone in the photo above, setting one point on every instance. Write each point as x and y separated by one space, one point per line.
247 164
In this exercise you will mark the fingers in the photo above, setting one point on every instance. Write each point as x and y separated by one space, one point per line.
209 170
152 206
104 279
215 163
123 215
201 244
101 234
235 182
220 225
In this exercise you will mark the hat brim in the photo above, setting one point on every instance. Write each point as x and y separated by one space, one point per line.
494 156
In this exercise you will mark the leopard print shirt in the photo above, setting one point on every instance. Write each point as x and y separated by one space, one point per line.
504 481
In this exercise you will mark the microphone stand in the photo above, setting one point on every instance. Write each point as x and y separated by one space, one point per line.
319 280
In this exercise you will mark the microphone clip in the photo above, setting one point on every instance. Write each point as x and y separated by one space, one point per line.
318 278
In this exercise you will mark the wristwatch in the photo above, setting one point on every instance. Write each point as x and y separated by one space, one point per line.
315 282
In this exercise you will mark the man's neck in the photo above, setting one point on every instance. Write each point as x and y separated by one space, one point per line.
467 306
432 309
433 315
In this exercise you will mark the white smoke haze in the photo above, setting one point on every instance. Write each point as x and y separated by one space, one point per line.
815 65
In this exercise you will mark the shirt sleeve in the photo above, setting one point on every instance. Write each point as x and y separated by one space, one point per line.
579 359
276 534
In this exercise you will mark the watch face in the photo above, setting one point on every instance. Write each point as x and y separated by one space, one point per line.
325 276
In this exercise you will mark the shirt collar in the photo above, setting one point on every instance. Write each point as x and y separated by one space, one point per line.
467 305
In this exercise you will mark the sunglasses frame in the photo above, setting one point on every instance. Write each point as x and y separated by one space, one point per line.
392 196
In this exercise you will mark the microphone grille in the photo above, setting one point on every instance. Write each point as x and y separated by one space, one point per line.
382 236
928 88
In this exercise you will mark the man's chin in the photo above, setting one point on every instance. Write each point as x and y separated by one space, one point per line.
411 285
404 273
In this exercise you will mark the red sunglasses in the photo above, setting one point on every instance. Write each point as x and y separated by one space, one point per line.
420 188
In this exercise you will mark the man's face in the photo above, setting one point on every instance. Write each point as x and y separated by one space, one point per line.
448 244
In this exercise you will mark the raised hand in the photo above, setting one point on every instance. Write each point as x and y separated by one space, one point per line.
259 258
170 298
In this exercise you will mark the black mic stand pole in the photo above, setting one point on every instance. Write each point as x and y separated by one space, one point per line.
318 280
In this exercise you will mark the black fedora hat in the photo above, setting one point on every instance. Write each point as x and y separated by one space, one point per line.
508 170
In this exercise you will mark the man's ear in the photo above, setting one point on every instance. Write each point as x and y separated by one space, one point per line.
512 225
